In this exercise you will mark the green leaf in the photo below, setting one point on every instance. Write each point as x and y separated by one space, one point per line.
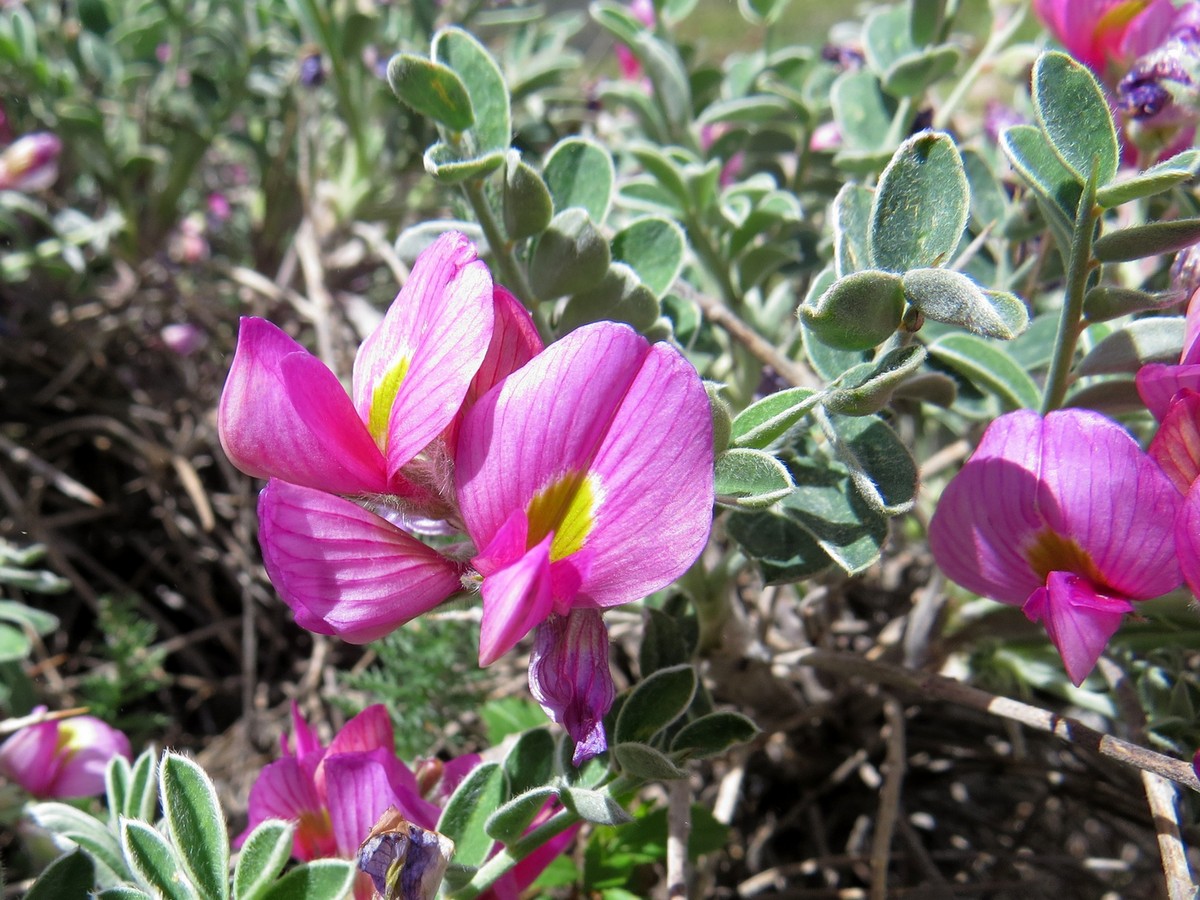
15 644
142 799
754 109
665 170
668 75
431 89
1141 341
989 367
851 223
1141 241
765 421
195 824
826 506
868 387
785 552
947 296
122 892
155 861
571 256
594 806
580 172
1058 190
40 622
321 879
862 114
921 205
1073 114
662 644
713 734
468 809
89 833
750 479
1155 180
530 762
1107 301
653 248
762 12
655 703
510 715
262 857
509 822
470 60
70 877
989 200
913 73
618 296
527 204
886 37
116 788
858 311
881 468
449 165
643 761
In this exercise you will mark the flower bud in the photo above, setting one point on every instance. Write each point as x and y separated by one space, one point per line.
62 759
570 678
30 164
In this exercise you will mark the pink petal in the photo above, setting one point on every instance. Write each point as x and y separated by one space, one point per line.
344 570
989 511
307 741
284 791
1079 620
1187 538
441 323
1112 500
1176 446
600 401
515 599
1158 384
283 414
30 758
87 745
370 730
359 788
1191 336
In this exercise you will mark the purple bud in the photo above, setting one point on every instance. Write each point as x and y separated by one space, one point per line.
1158 81
570 678
30 164
312 70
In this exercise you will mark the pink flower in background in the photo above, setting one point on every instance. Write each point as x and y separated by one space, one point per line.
336 794
30 163
284 415
585 480
1176 449
631 68
183 338
62 759
1107 35
1065 517
570 677
1159 383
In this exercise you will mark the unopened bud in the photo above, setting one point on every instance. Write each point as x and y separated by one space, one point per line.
30 164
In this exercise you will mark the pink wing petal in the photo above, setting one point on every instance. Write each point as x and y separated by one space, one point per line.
343 570
284 415
1079 620
441 322
1113 500
284 791
1187 538
371 729
1157 385
1176 446
515 599
30 759
360 788
600 400
989 512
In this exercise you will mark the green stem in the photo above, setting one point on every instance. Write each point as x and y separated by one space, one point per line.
1070 322
996 41
511 272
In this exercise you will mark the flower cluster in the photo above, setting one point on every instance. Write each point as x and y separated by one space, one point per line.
557 481
335 794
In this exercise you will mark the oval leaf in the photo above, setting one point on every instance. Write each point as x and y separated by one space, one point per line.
473 802
857 312
509 822
1070 107
70 877
655 703
484 84
89 833
571 256
643 761
262 858
527 204
1140 342
653 248
154 861
321 879
988 367
431 89
713 734
765 421
195 823
594 806
947 296
580 172
750 479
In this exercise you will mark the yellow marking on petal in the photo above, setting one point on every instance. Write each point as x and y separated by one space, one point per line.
566 507
1117 17
1050 552
384 398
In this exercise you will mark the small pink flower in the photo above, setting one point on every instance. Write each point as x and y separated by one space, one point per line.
1064 517
1107 35
62 759
30 164
1159 383
183 338
584 480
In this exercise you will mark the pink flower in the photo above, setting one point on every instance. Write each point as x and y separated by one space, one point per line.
1159 383
284 415
183 338
360 573
630 66
584 480
1064 517
30 164
1176 449
569 676
336 794
62 759
1107 35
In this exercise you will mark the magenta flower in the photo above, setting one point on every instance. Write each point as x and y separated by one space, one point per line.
336 794
585 479
62 759
284 415
569 676
1176 449
30 163
1064 517
1159 383
1108 35
630 66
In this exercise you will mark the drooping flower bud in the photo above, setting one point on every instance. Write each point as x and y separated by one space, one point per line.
31 163
569 676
